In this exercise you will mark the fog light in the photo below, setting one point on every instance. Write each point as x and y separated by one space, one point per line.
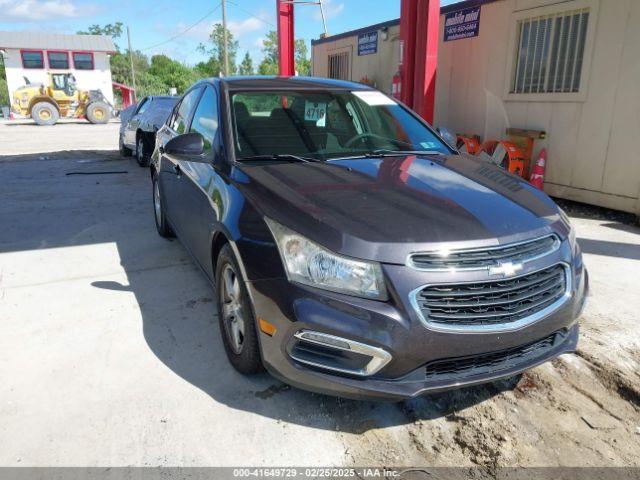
338 354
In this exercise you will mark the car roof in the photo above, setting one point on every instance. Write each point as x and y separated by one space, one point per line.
260 82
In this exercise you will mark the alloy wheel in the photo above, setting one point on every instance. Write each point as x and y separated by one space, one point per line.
232 311
157 205
140 151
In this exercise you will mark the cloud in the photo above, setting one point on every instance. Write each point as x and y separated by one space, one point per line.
331 9
201 32
239 29
42 10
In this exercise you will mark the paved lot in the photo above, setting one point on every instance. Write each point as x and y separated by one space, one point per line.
110 352
19 137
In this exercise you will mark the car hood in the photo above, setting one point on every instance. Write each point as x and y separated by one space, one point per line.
385 208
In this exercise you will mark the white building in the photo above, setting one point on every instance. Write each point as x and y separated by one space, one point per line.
33 55
570 68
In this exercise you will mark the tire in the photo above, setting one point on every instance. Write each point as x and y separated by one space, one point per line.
98 112
45 113
162 225
235 315
124 151
142 157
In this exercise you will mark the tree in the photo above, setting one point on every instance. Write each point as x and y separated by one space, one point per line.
215 49
246 67
148 84
121 66
4 93
269 65
171 72
210 68
113 30
303 64
4 89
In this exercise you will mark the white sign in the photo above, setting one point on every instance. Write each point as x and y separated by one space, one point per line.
315 112
374 98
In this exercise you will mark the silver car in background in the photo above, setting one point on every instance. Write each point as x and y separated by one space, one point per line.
139 124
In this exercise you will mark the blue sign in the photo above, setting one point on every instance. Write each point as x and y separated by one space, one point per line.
368 43
462 24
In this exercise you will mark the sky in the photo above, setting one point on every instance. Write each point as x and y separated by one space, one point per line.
177 27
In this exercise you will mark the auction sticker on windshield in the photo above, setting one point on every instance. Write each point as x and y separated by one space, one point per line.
374 98
315 112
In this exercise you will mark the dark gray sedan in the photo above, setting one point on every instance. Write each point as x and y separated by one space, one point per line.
139 124
351 250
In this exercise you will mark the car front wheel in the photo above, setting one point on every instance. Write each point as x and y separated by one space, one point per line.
141 152
235 315
162 225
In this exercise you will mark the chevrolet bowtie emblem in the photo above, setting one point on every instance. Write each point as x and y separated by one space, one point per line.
505 269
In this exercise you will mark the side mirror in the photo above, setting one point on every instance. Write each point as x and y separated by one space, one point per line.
187 144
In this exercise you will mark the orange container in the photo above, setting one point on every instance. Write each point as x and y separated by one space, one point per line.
467 145
505 154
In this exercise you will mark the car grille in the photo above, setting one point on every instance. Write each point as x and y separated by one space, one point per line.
494 302
473 259
494 362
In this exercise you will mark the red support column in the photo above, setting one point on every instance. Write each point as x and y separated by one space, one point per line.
408 16
286 43
426 58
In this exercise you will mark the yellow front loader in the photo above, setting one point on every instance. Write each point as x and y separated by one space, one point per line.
45 104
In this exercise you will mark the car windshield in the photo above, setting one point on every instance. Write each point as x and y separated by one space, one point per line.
326 125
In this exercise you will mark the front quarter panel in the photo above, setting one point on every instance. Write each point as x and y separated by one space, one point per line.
244 225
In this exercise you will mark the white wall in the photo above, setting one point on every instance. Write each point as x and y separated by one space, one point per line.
97 79
592 142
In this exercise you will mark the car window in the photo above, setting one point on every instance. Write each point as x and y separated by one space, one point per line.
144 105
179 123
205 119
59 82
167 102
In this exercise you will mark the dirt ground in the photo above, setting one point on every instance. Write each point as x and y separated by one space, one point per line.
62 278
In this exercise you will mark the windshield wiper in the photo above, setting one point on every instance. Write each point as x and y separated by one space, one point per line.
278 157
384 152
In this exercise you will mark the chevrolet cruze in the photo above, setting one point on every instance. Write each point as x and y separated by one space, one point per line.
351 250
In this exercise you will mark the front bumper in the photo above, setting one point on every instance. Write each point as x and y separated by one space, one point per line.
394 327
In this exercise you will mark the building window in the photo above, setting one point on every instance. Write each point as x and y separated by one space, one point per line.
550 51
59 60
339 66
32 59
83 61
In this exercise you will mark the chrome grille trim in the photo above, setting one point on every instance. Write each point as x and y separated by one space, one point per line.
379 357
466 326
482 258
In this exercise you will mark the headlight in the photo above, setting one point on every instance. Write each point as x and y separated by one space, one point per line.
311 264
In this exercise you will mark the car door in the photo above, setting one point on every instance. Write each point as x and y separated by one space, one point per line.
134 121
170 168
198 181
